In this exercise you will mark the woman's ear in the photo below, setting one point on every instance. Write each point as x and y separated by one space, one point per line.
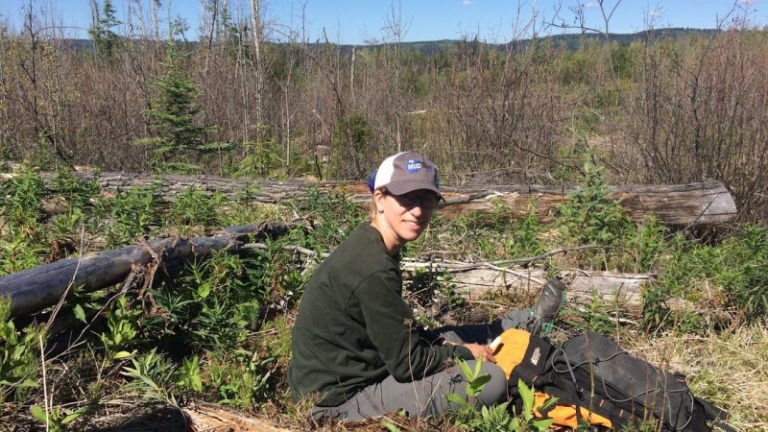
378 199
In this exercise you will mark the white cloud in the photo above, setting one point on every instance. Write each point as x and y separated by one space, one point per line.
467 3
590 5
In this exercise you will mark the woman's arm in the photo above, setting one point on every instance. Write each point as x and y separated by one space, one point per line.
396 334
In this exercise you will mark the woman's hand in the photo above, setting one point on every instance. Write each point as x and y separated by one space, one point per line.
481 351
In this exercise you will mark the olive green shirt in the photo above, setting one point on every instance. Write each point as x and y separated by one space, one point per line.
354 329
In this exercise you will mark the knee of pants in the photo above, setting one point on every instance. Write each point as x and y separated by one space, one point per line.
495 390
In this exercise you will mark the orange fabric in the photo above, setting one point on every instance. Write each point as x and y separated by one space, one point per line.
510 352
565 414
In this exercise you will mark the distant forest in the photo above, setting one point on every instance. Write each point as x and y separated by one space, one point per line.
570 42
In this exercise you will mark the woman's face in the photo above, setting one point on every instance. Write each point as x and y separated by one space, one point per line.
402 218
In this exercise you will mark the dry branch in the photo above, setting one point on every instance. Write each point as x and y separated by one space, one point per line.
40 287
694 204
216 418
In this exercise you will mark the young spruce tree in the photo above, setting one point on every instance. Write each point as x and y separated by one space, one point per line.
172 115
105 41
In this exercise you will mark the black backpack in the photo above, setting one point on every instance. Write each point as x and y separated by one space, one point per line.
592 372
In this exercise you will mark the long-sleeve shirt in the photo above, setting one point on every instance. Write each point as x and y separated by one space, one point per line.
354 328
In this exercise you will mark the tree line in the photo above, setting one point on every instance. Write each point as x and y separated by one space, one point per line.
658 110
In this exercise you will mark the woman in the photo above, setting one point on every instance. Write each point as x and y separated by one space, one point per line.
357 350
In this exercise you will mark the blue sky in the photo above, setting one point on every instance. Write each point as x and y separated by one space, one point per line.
361 21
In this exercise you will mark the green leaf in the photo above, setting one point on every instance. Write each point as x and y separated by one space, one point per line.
204 289
390 426
72 416
39 414
79 312
478 366
478 383
455 398
28 382
465 369
121 355
526 395
542 424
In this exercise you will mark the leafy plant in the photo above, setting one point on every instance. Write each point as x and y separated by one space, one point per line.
525 236
153 377
496 418
18 356
530 421
598 315
427 288
18 254
130 215
475 381
196 207
246 380
332 218
746 279
22 201
121 329
54 419
189 375
648 243
591 215
262 160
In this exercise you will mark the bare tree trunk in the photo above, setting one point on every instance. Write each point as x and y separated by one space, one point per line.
225 17
256 24
155 4
140 17
211 27
94 12
352 78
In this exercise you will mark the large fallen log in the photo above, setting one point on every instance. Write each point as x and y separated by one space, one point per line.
34 289
475 280
694 204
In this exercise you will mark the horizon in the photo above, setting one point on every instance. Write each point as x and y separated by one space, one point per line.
493 21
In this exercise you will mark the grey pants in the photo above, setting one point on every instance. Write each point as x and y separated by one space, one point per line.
426 397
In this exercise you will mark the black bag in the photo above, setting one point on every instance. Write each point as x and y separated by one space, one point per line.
592 372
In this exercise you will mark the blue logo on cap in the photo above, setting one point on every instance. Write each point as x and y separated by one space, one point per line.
413 166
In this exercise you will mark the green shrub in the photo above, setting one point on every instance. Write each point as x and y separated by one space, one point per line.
130 215
332 218
19 356
196 207
591 215
22 201
745 279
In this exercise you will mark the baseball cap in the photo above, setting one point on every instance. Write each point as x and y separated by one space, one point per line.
406 172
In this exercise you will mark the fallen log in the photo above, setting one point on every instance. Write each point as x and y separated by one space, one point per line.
694 204
475 280
34 289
